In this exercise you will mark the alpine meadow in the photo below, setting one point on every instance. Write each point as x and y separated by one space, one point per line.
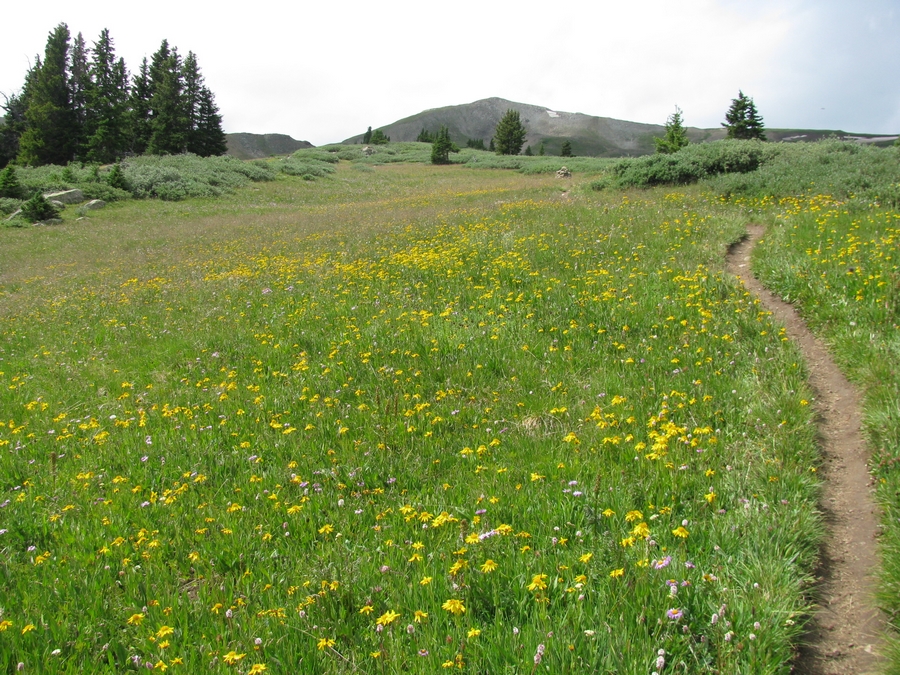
350 411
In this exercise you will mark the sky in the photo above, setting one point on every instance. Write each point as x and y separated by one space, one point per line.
325 71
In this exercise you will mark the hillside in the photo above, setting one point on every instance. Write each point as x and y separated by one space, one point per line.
589 134
257 146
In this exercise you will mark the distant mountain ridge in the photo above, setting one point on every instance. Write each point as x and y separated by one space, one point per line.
258 146
588 134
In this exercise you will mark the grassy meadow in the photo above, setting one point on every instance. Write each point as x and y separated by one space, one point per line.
406 418
839 264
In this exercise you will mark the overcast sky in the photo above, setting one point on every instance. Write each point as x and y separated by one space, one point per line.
324 71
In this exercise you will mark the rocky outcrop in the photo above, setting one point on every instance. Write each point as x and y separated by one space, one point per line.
66 196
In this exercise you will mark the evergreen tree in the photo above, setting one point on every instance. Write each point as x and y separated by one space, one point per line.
193 83
79 84
676 135
541 150
168 121
367 137
10 187
204 123
510 134
378 138
475 143
491 146
528 152
14 123
441 147
425 137
106 125
208 138
742 119
566 150
51 122
139 110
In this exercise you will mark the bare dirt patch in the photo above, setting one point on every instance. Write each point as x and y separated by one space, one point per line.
844 635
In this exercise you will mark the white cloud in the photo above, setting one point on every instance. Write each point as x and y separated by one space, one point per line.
325 71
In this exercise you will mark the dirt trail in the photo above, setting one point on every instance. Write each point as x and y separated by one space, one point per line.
844 636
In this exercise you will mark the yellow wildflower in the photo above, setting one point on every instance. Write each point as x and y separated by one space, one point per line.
488 566
387 618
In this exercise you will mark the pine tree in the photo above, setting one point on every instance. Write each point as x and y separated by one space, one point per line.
193 83
106 125
168 121
51 123
441 146
204 123
14 122
528 152
207 138
139 110
676 135
541 150
367 137
10 187
566 150
510 134
742 119
425 137
378 138
79 84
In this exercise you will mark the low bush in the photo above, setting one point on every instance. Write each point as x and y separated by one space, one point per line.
692 163
38 208
843 169
9 205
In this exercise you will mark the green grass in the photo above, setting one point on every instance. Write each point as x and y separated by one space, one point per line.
232 425
839 264
862 174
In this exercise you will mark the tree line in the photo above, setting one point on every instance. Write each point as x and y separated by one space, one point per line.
80 103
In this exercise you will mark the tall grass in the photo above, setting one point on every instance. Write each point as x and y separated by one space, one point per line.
412 419
864 174
840 265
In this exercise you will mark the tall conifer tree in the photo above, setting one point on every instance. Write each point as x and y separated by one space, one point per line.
79 84
51 122
106 125
139 113
168 122
208 138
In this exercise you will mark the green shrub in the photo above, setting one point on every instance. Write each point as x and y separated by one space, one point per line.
10 187
175 177
38 208
8 205
692 163
843 169
115 178
308 168
107 193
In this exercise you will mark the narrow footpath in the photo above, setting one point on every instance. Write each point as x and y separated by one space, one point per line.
844 637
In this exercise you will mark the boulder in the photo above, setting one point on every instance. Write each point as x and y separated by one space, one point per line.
94 204
66 196
58 204
563 173
368 151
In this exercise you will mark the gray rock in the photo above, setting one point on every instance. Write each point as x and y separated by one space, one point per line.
94 204
563 173
66 197
368 151
49 221
58 204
